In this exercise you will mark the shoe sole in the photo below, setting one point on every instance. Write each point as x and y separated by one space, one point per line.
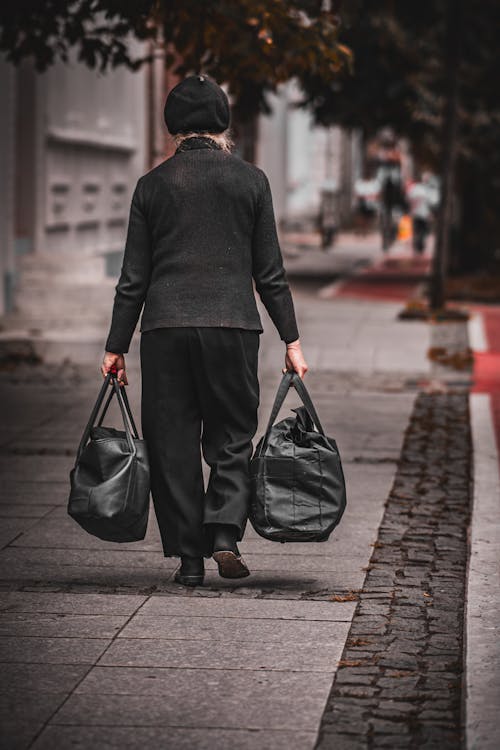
230 565
189 580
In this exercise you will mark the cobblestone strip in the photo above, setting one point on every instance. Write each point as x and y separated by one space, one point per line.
399 682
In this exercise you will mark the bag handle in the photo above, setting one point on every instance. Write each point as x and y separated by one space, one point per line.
306 399
290 378
124 409
123 393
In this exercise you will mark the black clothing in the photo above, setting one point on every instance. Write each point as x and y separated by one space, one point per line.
201 226
197 105
421 229
199 380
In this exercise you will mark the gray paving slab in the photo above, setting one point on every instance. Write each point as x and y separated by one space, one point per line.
44 678
134 580
235 699
52 650
17 490
170 738
159 606
12 558
300 563
300 657
228 629
59 531
288 583
31 706
339 546
41 468
11 528
18 735
73 604
24 624
19 510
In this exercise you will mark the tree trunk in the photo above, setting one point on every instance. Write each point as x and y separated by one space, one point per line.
454 14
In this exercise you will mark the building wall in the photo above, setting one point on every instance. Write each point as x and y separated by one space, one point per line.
73 143
301 159
94 149
7 155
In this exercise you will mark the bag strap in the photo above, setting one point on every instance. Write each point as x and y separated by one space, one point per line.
92 418
301 389
121 404
290 378
127 407
124 409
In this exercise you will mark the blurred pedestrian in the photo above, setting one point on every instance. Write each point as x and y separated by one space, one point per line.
391 190
201 228
422 199
366 193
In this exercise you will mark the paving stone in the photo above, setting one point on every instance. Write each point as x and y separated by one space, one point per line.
60 625
398 661
159 606
352 677
52 650
381 726
395 741
93 578
220 655
18 735
12 528
45 468
30 706
245 699
43 678
170 738
14 559
76 604
24 511
333 740
229 629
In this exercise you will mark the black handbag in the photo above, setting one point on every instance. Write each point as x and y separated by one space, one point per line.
298 486
109 494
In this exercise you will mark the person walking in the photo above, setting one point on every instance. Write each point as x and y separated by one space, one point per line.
201 228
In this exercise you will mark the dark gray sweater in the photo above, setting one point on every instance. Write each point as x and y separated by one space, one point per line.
201 228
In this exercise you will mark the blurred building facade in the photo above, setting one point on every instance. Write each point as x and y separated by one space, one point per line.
73 143
303 161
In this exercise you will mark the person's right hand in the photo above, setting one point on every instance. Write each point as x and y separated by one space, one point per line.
294 359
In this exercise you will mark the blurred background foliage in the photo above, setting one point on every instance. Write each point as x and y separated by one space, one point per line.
384 64
250 45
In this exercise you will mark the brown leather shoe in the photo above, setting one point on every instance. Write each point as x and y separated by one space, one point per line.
230 564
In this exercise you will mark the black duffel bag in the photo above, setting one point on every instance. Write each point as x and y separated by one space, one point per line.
109 494
298 486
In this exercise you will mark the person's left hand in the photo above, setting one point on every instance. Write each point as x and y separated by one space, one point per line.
114 360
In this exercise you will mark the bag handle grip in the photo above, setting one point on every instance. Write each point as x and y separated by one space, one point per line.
123 393
125 410
290 378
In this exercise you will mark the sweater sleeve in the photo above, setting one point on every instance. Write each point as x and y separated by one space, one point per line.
268 272
134 278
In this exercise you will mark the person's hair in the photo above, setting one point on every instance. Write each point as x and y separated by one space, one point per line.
223 139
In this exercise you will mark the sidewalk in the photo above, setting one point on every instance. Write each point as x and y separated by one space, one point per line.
101 649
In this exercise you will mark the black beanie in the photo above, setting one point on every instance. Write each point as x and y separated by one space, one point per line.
197 105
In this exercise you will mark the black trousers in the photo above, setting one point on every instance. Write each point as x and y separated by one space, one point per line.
199 384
